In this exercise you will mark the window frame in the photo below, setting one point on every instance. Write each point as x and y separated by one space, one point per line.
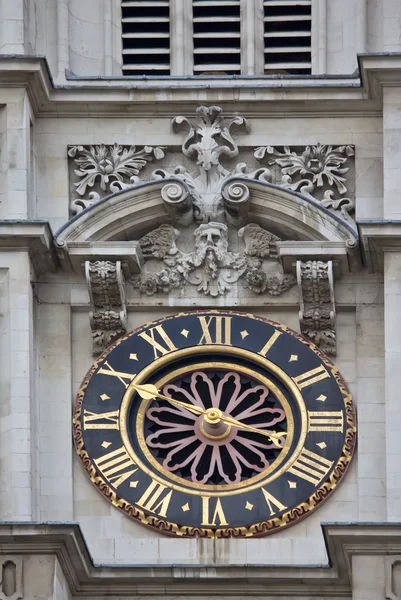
252 39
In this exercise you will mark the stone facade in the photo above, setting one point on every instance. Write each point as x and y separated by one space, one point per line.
115 210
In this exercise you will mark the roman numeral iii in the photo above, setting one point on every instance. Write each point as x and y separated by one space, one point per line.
327 420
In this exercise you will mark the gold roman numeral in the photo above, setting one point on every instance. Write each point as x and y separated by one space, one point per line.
311 377
326 420
113 373
111 419
160 347
272 501
114 466
272 339
155 499
215 330
311 467
218 513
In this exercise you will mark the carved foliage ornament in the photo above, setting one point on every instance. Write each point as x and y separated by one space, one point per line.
109 168
317 166
211 266
318 172
317 307
108 314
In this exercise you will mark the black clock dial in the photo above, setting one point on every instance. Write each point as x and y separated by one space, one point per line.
248 428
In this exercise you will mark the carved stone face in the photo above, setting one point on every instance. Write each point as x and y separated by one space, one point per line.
211 235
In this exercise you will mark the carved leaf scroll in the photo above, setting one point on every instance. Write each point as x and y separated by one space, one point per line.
109 168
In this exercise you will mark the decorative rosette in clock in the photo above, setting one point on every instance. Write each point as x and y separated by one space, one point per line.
214 424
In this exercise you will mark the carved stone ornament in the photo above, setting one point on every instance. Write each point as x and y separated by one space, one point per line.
209 139
106 169
315 168
211 266
211 190
108 313
317 313
11 578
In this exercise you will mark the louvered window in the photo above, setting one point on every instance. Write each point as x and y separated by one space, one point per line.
217 36
287 34
146 37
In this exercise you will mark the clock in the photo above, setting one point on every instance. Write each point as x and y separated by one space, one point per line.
214 424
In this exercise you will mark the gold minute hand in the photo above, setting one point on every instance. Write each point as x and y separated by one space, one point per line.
149 391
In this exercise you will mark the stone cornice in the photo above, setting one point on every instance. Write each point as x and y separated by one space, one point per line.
33 236
65 540
254 96
378 237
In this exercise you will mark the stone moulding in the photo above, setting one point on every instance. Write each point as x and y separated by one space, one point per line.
344 542
393 577
273 207
108 314
317 314
11 583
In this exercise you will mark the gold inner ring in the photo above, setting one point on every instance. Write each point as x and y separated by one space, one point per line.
166 477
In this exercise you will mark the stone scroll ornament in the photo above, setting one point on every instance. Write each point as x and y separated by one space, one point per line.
209 139
318 172
211 266
108 315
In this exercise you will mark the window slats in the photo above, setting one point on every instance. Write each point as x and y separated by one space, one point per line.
146 37
217 36
287 35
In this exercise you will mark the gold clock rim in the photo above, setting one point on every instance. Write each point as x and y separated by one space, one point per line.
291 517
200 489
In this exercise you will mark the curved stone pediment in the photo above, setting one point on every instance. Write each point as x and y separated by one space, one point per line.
130 213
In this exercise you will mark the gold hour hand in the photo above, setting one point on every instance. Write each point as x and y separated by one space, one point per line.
275 437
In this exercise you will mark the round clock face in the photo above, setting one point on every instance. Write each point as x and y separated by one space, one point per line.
214 424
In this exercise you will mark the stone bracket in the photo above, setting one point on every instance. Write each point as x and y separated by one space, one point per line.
317 314
108 315
290 252
74 254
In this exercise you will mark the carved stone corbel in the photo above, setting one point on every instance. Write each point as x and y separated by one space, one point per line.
108 313
11 578
317 315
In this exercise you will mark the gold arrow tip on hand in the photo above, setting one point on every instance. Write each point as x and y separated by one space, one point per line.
148 391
